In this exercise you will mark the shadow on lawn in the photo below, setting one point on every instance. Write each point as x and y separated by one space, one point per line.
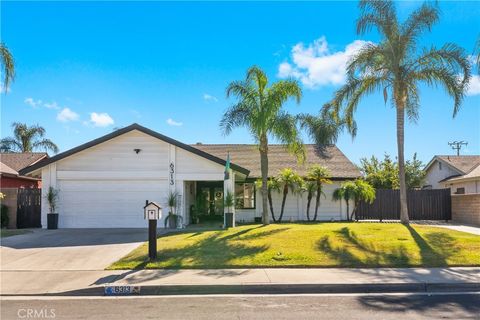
345 256
434 250
214 251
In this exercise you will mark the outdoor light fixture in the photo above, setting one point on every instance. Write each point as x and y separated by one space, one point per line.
137 150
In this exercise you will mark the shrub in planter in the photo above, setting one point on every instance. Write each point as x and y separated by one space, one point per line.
229 202
4 216
52 198
173 220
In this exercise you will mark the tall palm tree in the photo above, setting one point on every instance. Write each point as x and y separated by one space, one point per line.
8 65
358 190
320 175
259 109
396 66
27 139
289 181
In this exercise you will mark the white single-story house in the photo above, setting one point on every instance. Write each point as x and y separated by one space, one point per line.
459 173
104 183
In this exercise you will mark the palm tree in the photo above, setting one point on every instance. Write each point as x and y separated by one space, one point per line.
320 175
397 67
310 187
27 139
8 66
358 190
324 129
289 180
259 108
272 185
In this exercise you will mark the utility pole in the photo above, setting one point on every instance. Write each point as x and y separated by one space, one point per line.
457 145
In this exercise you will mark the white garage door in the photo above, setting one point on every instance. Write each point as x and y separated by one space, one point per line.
107 204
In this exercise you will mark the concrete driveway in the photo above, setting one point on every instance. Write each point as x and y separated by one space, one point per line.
68 249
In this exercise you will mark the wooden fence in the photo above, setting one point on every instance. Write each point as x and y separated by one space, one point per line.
29 208
422 205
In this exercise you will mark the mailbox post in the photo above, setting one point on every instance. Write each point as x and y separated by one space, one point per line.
152 212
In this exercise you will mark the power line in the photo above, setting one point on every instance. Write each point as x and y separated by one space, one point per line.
457 145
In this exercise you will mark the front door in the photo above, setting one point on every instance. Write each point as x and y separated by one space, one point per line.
211 194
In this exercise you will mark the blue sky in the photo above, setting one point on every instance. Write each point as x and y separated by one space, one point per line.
86 68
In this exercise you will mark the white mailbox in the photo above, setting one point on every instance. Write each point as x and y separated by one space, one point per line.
152 211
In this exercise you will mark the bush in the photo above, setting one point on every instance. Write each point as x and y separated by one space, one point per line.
4 216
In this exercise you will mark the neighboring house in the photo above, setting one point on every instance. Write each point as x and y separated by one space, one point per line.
467 184
11 163
459 173
105 182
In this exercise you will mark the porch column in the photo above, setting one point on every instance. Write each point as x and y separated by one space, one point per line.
229 186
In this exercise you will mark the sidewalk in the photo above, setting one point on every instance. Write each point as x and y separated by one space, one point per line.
279 280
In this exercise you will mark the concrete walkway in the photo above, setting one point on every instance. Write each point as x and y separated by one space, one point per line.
72 282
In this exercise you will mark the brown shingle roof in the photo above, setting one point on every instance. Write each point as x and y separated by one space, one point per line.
463 163
18 161
247 156
4 169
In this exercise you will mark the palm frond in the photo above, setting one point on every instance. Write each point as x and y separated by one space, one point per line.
236 116
8 65
10 145
46 144
284 129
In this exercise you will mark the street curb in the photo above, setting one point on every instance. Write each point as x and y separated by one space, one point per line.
160 290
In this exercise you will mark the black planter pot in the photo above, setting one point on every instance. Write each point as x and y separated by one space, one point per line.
228 219
52 220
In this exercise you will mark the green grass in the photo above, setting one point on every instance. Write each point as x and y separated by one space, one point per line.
12 232
311 245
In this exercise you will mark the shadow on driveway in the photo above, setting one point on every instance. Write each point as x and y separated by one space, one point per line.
42 238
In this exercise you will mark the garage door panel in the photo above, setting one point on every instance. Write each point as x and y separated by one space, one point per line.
100 204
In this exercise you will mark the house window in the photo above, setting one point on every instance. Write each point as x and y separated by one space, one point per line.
439 166
460 191
245 195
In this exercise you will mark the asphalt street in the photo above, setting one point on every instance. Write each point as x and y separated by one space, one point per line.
412 306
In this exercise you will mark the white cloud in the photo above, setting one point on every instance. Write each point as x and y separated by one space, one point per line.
316 65
172 122
51 105
474 86
208 97
101 119
32 102
67 115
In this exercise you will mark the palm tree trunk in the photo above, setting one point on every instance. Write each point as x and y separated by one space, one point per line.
270 202
317 200
264 169
285 192
309 200
401 160
348 210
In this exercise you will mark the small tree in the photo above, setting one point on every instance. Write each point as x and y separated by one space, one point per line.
358 190
52 198
320 175
289 180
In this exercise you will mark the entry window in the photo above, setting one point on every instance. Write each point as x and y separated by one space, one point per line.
245 196
460 191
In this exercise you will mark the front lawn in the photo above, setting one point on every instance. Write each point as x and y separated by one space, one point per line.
311 245
12 232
